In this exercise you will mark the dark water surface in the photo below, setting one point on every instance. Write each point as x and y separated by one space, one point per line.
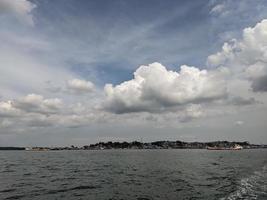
134 174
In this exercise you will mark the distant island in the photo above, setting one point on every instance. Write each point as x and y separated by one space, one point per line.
147 145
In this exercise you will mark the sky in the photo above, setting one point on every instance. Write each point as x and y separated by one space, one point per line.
76 72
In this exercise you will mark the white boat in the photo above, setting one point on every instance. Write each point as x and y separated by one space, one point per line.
237 147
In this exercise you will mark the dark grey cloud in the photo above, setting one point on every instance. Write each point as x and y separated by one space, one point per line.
240 101
260 84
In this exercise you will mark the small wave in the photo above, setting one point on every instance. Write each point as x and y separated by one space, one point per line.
214 163
82 187
7 190
15 197
143 198
252 187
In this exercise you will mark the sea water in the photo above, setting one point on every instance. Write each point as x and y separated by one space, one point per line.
134 174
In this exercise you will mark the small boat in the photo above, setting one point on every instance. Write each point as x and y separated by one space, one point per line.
236 147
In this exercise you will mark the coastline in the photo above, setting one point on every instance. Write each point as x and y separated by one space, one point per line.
216 145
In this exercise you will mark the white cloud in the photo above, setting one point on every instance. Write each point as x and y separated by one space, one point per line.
80 86
227 53
154 88
7 109
37 104
247 56
218 8
21 9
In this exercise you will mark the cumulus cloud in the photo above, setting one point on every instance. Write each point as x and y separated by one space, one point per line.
38 104
154 88
7 109
80 86
21 9
247 56
257 73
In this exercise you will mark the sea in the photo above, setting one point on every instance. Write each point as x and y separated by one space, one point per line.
134 174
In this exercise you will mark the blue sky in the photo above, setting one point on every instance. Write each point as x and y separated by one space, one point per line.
112 38
68 51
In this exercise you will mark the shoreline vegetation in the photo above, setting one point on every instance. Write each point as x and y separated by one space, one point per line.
140 145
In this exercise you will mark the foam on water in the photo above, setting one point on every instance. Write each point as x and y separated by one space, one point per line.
252 187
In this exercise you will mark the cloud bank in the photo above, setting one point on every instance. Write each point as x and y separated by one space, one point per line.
37 104
233 82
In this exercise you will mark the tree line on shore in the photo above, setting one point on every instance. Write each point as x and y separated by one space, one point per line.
165 145
146 145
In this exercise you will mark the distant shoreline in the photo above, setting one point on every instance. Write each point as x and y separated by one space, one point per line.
140 145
